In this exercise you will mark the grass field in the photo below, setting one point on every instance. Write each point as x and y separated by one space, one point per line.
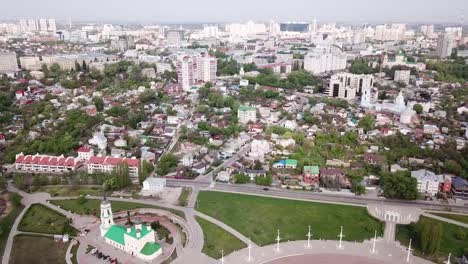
92 206
41 219
456 217
37 250
259 217
448 244
184 195
70 192
217 239
6 222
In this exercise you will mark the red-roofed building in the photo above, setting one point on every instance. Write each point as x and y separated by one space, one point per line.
45 163
84 153
107 164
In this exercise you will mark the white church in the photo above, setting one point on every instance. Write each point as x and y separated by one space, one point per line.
138 240
369 100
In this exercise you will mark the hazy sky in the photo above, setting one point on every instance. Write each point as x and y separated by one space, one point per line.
184 11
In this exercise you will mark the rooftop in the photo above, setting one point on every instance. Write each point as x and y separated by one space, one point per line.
117 233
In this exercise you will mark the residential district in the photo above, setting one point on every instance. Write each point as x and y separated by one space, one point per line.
257 142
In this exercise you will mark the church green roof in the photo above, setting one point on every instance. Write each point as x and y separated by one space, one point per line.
117 233
150 248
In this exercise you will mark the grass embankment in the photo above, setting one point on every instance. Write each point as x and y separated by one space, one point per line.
454 240
259 217
6 223
184 196
217 239
41 219
37 249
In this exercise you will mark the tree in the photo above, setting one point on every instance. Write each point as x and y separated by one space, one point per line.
155 225
77 66
166 164
430 235
99 103
122 176
264 180
144 170
399 185
241 178
16 199
360 67
84 67
367 123
82 199
418 108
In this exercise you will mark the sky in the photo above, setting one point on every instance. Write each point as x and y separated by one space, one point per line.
204 11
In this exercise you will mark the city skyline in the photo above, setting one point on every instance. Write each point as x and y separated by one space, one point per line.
297 10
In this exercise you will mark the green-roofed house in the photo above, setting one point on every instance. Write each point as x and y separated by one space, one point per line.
311 175
138 240
246 114
285 164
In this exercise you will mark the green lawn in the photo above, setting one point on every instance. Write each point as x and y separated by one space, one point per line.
449 242
217 239
456 217
70 192
92 206
37 250
184 195
41 219
6 222
259 217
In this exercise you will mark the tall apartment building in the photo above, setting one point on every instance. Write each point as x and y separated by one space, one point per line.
347 85
174 37
246 114
43 24
52 26
186 69
30 62
123 43
394 32
445 44
8 62
192 68
427 30
402 76
324 60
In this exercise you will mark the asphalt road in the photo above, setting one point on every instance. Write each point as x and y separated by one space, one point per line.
314 196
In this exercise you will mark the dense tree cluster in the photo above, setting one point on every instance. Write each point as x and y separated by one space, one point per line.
399 185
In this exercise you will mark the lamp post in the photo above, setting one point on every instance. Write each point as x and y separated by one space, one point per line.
278 239
373 244
250 247
309 235
340 246
409 252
